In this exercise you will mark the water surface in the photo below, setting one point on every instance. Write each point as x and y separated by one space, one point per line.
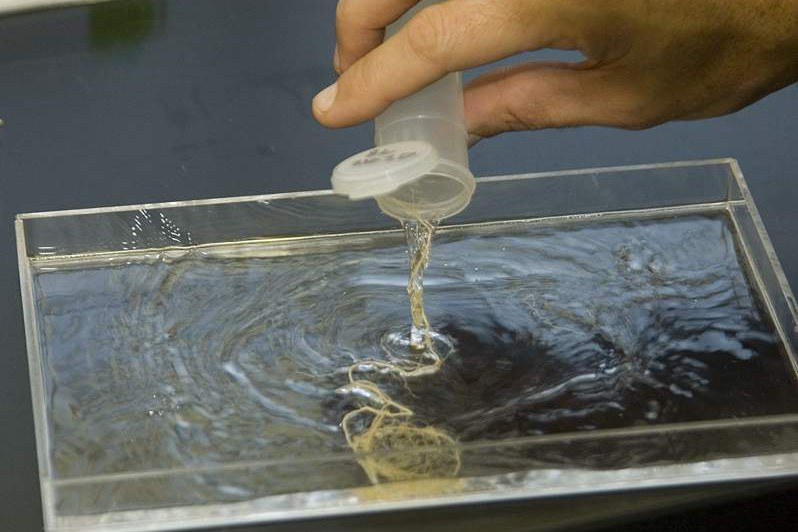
211 360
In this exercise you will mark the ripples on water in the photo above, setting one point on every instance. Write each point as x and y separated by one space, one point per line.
210 360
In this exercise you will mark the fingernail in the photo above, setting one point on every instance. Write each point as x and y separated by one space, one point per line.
473 139
337 60
325 99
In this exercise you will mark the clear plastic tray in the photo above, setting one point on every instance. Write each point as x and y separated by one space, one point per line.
732 448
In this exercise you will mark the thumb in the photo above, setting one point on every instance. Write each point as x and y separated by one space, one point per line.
537 96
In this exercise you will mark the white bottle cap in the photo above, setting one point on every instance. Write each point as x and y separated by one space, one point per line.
384 169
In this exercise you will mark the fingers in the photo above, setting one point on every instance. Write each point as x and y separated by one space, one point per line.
360 27
538 96
443 38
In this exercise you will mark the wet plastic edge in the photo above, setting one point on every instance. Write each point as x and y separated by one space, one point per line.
315 193
36 379
774 262
527 493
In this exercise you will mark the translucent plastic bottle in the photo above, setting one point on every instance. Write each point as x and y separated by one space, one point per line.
419 168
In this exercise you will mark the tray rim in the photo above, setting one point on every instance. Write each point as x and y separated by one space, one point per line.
49 484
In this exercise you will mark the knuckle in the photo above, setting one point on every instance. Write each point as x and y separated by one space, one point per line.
427 34
345 11
641 109
517 119
638 124
356 80
521 111
536 103
532 116
361 81
641 121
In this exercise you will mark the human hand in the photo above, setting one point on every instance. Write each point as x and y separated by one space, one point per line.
646 61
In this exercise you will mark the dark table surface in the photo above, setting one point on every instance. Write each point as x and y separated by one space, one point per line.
148 101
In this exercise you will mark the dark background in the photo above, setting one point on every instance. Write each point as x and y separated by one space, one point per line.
149 101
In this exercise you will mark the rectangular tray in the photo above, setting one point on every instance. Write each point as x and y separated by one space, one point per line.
733 447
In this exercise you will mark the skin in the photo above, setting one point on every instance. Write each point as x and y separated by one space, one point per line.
646 61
